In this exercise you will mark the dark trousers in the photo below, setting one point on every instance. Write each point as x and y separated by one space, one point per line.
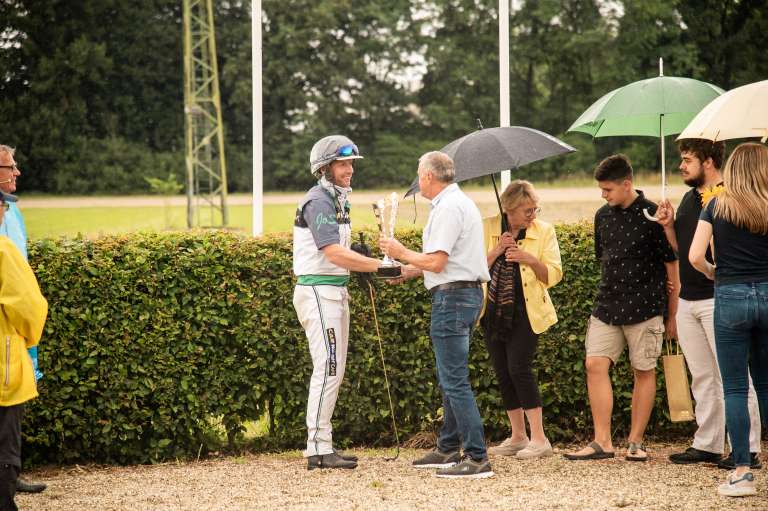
512 349
10 454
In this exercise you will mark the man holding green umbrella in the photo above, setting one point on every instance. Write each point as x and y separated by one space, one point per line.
700 165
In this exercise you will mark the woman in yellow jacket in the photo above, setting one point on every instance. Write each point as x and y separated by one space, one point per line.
22 316
524 262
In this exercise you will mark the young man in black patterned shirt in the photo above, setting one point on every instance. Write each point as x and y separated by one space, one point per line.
632 307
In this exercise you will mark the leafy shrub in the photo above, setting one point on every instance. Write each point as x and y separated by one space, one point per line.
154 338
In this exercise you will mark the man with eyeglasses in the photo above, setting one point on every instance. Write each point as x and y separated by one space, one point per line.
22 316
322 260
13 227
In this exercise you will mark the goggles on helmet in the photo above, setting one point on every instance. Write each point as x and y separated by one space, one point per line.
344 151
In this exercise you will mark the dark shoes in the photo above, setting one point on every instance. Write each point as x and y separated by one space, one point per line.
345 456
467 469
727 463
693 455
437 459
331 460
23 486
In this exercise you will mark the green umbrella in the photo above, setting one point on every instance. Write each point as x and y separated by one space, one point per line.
655 107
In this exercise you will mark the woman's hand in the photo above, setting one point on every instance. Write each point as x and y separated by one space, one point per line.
515 254
506 240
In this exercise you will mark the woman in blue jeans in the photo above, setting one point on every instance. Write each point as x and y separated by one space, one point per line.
737 220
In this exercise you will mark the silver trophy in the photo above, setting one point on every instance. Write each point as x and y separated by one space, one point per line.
385 211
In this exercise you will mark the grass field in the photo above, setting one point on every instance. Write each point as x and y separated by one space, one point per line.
568 200
96 221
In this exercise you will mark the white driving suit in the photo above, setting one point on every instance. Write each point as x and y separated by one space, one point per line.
321 301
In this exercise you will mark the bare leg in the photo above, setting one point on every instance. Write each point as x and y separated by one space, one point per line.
517 424
600 394
537 425
643 396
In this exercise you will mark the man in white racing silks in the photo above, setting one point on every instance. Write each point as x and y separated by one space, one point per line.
322 260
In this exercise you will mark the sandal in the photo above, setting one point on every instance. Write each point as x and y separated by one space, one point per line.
632 452
598 454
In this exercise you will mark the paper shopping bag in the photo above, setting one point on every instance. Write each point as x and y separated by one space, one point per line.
678 388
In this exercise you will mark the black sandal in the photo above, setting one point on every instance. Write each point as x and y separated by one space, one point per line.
632 452
599 454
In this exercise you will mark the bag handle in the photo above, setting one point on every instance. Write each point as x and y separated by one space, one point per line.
669 342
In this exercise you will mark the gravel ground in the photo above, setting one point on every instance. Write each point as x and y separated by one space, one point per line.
281 481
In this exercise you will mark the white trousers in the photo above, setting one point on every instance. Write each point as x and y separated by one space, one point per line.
696 331
323 312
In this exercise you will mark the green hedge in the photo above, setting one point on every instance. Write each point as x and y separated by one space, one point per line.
155 342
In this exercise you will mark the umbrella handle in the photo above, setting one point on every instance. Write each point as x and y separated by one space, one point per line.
650 216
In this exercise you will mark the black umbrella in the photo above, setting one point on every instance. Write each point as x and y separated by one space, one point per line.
487 151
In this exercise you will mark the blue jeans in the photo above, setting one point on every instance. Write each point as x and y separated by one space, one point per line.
454 314
741 337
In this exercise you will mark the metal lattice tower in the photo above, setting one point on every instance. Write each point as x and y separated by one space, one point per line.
206 165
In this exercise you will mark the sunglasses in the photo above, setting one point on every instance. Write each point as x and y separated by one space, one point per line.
5 205
343 152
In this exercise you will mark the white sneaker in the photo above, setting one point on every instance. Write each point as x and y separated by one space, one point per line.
535 451
741 487
508 447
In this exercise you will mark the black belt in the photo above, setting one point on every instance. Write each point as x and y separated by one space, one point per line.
459 284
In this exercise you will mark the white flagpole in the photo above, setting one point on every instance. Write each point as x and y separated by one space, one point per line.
661 137
258 155
504 75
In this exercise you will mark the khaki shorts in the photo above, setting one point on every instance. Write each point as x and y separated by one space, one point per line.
644 340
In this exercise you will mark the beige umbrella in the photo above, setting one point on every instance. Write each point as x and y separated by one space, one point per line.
739 113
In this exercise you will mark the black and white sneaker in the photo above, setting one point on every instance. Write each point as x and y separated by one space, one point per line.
437 459
467 469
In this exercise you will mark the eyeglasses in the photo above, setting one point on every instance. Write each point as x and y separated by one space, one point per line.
5 205
531 211
12 167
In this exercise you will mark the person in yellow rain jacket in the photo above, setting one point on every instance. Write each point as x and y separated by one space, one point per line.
23 310
524 261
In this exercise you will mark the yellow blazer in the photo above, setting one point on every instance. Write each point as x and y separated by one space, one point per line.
541 242
22 316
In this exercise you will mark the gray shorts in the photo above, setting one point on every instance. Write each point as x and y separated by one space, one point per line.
644 340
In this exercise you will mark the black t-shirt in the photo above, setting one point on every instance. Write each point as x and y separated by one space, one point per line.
694 285
741 256
632 252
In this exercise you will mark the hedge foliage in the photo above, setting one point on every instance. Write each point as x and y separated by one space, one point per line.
157 341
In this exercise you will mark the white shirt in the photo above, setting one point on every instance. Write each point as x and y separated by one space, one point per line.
456 228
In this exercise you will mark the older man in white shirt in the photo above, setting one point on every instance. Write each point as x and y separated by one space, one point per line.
454 266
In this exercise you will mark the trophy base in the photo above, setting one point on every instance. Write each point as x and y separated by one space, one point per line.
388 272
